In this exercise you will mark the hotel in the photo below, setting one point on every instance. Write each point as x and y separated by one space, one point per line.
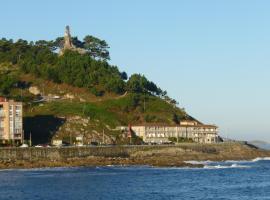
160 133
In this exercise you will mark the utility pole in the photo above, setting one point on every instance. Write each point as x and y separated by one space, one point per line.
43 91
83 139
144 103
30 142
103 138
83 108
22 141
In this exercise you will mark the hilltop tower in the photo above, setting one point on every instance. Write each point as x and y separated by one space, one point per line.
68 45
67 39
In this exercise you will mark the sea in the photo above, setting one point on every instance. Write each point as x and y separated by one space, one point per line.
236 180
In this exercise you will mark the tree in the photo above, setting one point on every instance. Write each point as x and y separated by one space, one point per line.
77 43
124 76
115 85
134 101
59 42
176 118
48 44
97 48
139 84
6 83
81 70
134 84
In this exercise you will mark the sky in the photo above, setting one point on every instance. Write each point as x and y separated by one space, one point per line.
212 56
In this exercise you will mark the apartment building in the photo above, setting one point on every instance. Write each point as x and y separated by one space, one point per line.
160 133
11 123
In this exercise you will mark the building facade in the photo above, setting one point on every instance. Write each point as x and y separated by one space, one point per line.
160 133
11 121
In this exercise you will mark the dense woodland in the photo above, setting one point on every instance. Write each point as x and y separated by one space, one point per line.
90 70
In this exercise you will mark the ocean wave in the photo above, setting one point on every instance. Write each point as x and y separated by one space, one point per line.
260 159
249 161
207 162
197 162
225 166
238 161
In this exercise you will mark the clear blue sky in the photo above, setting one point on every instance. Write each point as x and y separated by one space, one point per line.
212 56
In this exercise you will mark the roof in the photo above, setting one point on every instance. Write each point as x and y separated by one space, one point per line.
3 99
176 125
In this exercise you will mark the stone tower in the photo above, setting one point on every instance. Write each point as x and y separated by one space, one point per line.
68 44
67 39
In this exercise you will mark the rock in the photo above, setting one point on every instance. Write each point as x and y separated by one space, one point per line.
82 100
34 90
68 129
69 96
77 117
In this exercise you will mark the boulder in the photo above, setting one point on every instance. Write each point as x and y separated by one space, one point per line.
34 90
69 96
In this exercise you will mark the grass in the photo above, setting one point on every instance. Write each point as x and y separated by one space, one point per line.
155 108
66 108
109 110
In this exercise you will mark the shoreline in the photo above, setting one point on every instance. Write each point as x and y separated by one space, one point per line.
168 156
111 162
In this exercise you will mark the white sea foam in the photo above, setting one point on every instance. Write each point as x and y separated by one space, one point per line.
196 162
227 161
237 161
248 161
225 166
260 158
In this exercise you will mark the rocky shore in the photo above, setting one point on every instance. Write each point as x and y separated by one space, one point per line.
171 156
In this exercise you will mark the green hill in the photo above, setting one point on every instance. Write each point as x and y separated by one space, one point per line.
78 94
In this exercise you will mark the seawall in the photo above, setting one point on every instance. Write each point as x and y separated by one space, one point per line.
172 155
55 153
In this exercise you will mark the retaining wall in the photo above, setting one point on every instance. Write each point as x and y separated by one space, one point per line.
54 153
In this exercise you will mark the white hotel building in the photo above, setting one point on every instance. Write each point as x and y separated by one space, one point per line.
160 133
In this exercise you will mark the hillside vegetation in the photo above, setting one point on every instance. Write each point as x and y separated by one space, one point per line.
93 97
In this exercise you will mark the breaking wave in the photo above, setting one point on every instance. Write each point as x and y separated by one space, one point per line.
225 166
228 163
196 162
260 159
